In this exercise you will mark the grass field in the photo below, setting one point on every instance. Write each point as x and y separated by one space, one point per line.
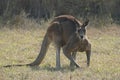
21 46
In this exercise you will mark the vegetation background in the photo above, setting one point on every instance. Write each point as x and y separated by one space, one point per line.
102 9
23 24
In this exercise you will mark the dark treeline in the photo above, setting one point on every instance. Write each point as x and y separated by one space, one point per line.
47 8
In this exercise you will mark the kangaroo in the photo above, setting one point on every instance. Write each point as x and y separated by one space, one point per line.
65 32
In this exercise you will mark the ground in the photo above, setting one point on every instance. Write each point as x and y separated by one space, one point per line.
21 46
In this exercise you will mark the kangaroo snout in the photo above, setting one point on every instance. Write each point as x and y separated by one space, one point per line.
81 37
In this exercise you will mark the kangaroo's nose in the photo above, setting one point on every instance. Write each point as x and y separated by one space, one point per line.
81 37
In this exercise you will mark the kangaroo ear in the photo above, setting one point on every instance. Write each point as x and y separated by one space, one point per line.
85 23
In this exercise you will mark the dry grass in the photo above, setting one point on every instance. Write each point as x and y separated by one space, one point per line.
21 46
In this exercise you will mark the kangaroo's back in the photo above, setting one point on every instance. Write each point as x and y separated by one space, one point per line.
67 25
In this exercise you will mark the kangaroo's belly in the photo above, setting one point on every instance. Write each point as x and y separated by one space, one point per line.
80 46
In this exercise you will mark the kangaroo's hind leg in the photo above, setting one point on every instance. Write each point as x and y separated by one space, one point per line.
58 66
58 47
69 56
74 57
56 37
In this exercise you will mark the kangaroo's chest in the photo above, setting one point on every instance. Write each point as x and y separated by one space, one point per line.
81 46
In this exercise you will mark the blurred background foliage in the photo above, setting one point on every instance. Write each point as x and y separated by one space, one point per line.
45 9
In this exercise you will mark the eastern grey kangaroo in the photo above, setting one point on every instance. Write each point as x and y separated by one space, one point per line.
65 32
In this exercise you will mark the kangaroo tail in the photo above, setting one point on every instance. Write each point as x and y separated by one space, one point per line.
40 57
38 60
15 65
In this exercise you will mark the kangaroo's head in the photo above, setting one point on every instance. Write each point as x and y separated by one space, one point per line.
81 31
